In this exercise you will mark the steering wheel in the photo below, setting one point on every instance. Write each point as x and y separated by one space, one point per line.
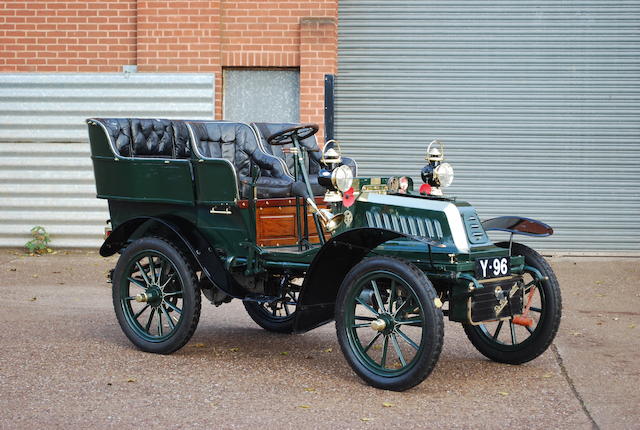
285 136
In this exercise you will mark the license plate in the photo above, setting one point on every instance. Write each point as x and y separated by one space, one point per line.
493 267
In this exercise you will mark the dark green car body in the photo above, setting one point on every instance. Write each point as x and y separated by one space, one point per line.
195 204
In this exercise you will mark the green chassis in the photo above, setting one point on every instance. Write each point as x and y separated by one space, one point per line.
224 245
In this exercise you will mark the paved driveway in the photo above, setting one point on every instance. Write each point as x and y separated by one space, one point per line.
65 363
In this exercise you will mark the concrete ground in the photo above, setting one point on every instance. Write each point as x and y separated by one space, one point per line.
64 362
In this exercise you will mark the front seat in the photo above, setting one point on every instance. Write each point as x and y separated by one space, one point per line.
237 143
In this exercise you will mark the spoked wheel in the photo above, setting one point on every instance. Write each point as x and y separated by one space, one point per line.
155 296
524 337
387 322
277 316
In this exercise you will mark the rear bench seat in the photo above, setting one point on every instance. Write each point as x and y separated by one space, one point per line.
148 138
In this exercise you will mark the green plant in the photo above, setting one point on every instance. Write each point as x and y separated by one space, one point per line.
40 242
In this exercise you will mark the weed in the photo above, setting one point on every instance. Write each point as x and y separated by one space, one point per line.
40 242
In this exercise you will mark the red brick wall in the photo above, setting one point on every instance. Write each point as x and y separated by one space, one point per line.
174 36
67 36
178 36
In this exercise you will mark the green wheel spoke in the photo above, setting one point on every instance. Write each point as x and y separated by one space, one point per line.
143 273
159 323
385 344
369 308
394 341
376 292
411 321
169 320
534 309
370 344
169 279
173 293
130 298
148 326
392 296
360 325
513 333
401 308
152 269
286 309
163 268
497 332
529 329
135 317
173 307
136 282
363 318
407 339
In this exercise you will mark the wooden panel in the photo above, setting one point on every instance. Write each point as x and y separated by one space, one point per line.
276 222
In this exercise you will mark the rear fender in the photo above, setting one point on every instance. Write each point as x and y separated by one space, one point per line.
331 264
180 232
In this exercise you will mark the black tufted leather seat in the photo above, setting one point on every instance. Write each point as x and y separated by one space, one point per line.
148 138
237 143
265 129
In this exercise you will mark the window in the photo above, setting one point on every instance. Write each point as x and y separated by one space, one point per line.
261 95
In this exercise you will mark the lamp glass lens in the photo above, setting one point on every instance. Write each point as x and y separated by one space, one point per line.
342 178
444 172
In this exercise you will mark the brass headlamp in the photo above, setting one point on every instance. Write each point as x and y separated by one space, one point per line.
335 177
436 174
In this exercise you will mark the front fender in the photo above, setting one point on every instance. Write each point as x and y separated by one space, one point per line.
518 225
331 264
179 231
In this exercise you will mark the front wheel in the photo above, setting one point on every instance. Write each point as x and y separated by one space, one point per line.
389 327
155 296
524 337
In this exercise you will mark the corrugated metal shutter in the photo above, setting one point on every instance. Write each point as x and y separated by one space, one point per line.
538 103
46 176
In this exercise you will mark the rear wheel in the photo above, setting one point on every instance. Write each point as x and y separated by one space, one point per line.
155 296
525 337
278 315
388 325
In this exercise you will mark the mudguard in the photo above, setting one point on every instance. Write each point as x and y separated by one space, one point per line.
331 264
518 225
178 230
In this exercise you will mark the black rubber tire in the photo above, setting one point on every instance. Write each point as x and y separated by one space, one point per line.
259 315
547 327
432 332
191 295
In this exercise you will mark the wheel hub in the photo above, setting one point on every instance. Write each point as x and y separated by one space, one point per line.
153 295
378 324
385 323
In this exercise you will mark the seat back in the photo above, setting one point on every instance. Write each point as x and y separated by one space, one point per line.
235 142
148 138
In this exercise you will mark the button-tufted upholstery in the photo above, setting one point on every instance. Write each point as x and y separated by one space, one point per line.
265 129
148 138
237 143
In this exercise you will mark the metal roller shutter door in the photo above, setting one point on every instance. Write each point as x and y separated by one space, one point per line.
46 176
538 103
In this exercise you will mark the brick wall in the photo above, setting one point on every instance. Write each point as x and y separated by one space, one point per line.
174 36
67 36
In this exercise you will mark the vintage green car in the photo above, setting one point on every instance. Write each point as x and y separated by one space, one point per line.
258 212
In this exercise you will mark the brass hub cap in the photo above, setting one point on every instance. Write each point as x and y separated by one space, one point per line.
378 324
153 296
